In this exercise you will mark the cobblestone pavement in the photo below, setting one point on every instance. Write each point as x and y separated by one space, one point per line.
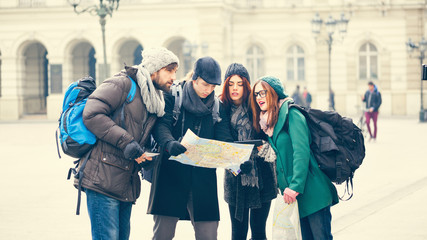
38 202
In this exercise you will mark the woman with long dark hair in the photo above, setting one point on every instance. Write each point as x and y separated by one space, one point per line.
248 194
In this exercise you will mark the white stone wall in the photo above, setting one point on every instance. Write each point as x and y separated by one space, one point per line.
228 27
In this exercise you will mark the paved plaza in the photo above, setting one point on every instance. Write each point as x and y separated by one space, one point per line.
37 202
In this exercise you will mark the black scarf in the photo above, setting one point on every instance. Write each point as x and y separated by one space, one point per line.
194 104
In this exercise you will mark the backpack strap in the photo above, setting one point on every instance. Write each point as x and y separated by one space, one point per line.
129 99
176 90
57 143
177 93
286 125
132 91
79 174
348 186
215 111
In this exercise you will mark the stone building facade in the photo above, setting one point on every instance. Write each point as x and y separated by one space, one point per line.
45 45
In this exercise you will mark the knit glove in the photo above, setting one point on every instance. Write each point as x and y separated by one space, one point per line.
133 151
246 167
174 148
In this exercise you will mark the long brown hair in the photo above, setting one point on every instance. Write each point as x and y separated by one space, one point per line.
225 95
272 100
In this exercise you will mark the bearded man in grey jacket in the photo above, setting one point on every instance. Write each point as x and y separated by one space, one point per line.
111 180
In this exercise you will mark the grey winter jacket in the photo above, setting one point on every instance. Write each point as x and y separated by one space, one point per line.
107 171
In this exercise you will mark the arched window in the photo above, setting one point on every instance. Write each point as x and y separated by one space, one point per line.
368 62
295 64
255 62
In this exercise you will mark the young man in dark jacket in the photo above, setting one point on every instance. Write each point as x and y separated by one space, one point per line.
372 98
111 179
182 191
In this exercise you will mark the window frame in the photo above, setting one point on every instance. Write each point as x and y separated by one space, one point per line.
255 61
367 55
293 54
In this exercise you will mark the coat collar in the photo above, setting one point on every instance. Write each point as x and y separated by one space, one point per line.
283 114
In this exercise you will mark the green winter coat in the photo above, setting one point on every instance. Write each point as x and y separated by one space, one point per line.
296 166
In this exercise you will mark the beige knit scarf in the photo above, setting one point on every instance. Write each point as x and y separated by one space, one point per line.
151 96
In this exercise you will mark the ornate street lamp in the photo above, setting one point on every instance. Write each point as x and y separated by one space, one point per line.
422 47
331 25
102 10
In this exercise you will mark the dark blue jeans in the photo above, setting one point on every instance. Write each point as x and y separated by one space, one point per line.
317 225
109 218
239 230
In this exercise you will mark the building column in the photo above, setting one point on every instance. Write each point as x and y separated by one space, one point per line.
56 89
11 106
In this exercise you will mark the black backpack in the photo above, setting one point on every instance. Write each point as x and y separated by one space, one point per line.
337 144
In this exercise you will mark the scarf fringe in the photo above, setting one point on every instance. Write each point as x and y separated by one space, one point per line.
250 181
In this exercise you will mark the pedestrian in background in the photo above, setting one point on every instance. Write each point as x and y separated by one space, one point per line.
248 194
180 191
298 174
373 101
297 96
111 180
307 97
332 100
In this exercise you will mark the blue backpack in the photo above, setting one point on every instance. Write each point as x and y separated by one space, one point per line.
75 139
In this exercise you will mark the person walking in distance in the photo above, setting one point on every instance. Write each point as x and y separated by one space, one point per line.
297 97
307 97
298 174
248 194
372 99
111 180
180 191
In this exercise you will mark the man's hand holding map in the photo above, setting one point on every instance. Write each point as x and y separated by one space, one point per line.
209 153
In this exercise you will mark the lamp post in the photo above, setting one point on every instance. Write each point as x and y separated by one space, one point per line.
331 26
422 47
101 10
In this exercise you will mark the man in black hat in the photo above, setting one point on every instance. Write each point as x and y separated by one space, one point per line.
181 191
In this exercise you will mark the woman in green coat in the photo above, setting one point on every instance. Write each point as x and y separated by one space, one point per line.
298 175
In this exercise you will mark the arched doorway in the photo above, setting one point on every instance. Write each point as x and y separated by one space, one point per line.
130 53
185 62
83 61
35 83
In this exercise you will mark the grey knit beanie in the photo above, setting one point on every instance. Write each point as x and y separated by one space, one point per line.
154 59
237 69
276 84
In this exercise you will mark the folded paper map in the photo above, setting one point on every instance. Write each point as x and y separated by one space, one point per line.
202 152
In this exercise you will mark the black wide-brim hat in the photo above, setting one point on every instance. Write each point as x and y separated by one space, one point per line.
208 69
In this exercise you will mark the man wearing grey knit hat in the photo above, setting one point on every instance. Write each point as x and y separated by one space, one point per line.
121 112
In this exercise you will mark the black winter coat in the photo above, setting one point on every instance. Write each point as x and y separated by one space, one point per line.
375 100
173 181
107 171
